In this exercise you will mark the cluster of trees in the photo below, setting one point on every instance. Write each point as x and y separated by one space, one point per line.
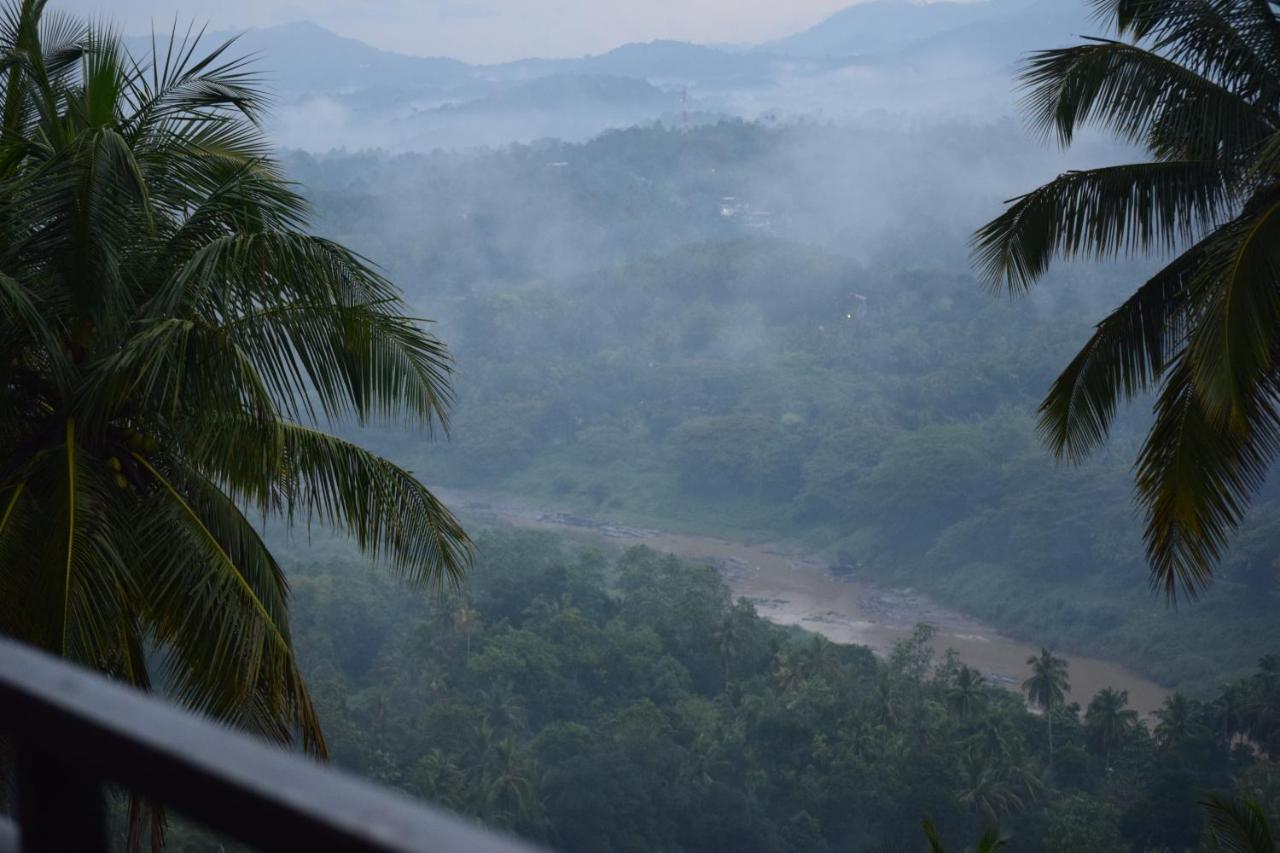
710 375
629 704
700 388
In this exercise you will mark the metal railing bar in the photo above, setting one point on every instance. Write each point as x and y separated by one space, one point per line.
231 782
8 836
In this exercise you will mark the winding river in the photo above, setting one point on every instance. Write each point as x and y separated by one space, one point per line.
795 589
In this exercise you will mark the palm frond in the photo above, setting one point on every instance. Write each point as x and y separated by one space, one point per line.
931 833
1237 826
1099 213
172 368
381 505
66 578
1195 475
991 841
1235 43
324 478
1144 98
356 357
27 321
178 83
1126 356
1236 338
318 324
217 605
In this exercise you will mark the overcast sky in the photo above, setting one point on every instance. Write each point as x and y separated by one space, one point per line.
490 30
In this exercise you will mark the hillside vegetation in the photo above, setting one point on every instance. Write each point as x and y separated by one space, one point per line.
716 373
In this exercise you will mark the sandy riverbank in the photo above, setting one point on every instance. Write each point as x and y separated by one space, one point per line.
794 589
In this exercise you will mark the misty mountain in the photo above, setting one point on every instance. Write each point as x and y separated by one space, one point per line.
896 55
889 30
571 91
663 62
1006 37
571 107
302 59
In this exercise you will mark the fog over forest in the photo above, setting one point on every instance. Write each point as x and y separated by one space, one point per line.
766 531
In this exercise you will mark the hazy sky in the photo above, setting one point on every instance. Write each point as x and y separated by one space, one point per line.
490 30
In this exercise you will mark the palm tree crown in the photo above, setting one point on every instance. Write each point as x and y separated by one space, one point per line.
172 339
1109 721
1197 84
966 692
1048 685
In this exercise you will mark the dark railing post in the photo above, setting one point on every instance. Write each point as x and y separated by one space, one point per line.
75 731
60 807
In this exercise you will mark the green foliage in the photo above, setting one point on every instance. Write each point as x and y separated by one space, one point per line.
629 352
1194 84
627 704
170 336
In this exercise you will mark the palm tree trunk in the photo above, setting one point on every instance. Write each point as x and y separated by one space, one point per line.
1049 713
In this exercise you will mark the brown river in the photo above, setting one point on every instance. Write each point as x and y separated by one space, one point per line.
789 588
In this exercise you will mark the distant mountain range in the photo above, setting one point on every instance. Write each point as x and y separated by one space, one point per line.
319 76
883 30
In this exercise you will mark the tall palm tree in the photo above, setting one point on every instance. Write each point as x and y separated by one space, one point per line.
1229 713
1047 687
1109 722
507 792
1178 721
1196 83
986 788
465 621
966 693
173 341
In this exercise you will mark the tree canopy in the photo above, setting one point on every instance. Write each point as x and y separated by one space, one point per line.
174 342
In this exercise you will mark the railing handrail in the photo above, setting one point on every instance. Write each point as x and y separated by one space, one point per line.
94 730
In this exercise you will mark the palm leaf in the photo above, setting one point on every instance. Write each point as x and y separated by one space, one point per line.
1100 212
319 477
1126 355
1234 42
1195 474
1143 97
217 606
1234 342
1237 826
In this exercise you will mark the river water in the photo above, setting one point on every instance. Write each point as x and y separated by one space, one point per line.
790 588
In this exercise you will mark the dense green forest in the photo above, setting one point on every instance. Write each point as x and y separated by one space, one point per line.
627 704
753 384
761 331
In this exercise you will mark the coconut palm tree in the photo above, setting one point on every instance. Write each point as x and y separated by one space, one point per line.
733 636
1108 721
1047 687
465 621
966 693
1197 85
1230 711
1178 721
506 788
173 344
986 789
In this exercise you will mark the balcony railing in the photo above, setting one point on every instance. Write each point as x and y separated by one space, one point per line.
75 731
